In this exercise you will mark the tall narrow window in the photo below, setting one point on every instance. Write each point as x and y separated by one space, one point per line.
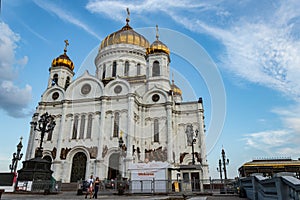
67 83
116 125
138 70
55 79
155 69
126 70
156 131
89 126
75 127
103 71
82 126
114 69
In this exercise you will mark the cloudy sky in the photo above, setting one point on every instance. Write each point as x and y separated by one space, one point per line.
254 46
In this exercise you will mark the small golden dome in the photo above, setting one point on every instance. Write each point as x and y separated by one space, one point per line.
175 89
125 36
63 59
157 46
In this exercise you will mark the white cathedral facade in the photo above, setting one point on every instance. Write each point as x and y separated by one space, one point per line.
127 112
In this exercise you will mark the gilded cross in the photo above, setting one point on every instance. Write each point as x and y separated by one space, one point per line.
66 45
128 15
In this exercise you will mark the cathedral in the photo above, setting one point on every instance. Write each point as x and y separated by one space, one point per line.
128 111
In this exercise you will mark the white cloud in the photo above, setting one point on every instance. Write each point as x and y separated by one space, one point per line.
273 142
262 44
13 100
65 15
283 142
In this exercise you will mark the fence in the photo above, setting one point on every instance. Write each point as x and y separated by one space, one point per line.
280 187
46 187
175 186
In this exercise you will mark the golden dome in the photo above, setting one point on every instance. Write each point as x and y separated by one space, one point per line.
63 59
176 90
157 46
125 36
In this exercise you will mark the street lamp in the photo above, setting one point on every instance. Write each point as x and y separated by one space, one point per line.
16 157
122 151
45 125
219 169
193 142
224 163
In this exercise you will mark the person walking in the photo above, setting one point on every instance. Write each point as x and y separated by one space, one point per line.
96 187
90 187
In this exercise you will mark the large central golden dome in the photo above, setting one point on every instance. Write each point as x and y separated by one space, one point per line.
125 36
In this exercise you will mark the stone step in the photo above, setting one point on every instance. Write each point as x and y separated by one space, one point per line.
69 187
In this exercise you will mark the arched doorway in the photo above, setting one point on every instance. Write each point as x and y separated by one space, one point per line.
78 167
113 166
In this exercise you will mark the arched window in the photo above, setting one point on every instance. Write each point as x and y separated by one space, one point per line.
82 126
156 130
126 70
67 83
155 69
138 70
89 126
55 79
103 71
116 125
114 69
75 127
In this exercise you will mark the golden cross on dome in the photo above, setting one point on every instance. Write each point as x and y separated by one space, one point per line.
157 36
66 45
128 15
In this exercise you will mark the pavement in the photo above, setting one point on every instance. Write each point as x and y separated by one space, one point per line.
72 195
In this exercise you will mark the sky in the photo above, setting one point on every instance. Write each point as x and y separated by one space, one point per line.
247 76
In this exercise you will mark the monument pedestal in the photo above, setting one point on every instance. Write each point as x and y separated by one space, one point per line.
35 169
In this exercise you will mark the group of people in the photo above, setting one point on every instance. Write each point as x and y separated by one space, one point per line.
93 187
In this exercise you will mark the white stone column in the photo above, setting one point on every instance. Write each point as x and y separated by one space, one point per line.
130 125
201 136
101 122
57 173
169 132
29 151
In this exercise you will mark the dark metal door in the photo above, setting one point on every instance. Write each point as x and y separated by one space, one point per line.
78 167
113 168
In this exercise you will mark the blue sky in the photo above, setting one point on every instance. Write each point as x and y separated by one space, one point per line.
254 45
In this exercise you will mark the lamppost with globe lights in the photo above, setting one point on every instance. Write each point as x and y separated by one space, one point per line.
16 157
45 125
122 151
193 142
225 162
219 169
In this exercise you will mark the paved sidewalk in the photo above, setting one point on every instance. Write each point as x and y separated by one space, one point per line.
72 195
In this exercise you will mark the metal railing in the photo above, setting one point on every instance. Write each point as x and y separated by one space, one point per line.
279 187
173 186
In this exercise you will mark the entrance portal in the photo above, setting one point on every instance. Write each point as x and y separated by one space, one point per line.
195 181
113 166
78 167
